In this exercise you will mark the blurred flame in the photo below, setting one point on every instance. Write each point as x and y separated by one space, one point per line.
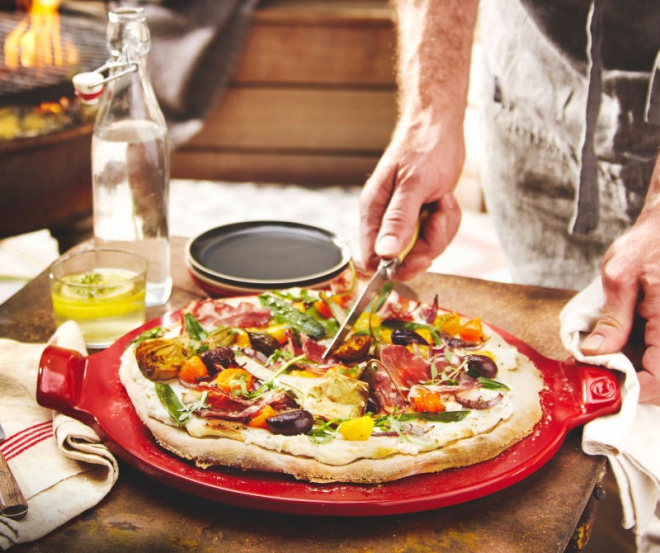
36 41
54 107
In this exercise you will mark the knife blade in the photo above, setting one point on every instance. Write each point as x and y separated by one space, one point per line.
382 276
12 503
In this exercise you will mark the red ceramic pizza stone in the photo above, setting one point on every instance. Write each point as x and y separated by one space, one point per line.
89 389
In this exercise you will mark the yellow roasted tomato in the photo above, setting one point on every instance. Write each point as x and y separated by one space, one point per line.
357 430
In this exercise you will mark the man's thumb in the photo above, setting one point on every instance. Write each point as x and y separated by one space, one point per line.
387 246
608 336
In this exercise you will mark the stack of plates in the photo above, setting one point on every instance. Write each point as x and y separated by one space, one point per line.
249 257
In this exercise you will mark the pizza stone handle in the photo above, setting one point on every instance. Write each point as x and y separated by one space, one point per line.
597 391
60 379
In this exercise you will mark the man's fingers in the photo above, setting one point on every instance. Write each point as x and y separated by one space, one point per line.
374 199
616 320
438 231
649 378
649 385
450 213
398 225
609 335
399 220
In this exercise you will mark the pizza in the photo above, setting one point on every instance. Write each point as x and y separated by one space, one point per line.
243 382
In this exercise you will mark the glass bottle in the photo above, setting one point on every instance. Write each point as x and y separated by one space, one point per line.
130 155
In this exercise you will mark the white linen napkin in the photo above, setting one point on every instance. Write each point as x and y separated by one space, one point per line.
629 439
60 464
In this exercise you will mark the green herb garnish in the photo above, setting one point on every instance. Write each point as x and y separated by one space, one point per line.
82 285
324 432
284 313
492 384
172 403
388 422
445 416
152 333
268 384
383 293
89 278
195 329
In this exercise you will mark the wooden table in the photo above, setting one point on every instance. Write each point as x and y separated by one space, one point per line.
538 514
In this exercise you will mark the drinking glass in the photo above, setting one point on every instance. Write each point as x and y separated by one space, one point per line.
103 290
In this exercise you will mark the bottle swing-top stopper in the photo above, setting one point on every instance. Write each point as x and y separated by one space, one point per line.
89 86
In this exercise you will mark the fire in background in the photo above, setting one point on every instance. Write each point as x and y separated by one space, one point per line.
37 53
37 41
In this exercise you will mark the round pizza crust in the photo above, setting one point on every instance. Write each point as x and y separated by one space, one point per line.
233 452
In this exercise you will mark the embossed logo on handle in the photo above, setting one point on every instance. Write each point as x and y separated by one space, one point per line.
602 389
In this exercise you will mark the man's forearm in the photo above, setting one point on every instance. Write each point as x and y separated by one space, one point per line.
435 40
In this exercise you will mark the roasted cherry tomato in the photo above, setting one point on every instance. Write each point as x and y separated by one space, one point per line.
265 343
279 332
426 401
357 429
450 324
354 348
234 381
258 420
472 331
323 309
193 369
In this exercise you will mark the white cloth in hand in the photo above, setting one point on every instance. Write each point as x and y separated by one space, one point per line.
629 439
60 464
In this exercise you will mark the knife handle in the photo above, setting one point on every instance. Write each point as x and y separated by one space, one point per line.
12 502
423 215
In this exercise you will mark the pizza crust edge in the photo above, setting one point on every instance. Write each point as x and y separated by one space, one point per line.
233 452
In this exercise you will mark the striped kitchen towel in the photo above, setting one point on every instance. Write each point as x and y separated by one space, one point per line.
60 464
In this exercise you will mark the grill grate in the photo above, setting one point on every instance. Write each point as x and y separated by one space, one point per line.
30 85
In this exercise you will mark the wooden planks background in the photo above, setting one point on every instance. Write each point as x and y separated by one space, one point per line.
312 100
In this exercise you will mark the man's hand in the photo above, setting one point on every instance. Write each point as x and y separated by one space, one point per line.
420 167
631 282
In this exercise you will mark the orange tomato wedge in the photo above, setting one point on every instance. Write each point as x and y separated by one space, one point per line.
259 418
451 324
233 381
323 309
425 401
193 369
472 331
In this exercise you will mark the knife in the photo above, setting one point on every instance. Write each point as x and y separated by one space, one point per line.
377 285
12 502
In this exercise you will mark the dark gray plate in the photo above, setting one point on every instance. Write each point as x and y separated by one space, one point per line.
268 254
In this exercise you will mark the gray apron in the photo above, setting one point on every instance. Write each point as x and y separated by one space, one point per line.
570 141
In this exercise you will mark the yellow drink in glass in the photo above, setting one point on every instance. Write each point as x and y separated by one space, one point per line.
101 290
